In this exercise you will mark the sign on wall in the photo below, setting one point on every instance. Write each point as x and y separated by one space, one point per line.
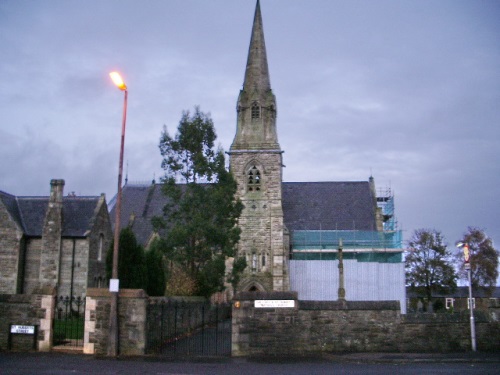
24 330
274 303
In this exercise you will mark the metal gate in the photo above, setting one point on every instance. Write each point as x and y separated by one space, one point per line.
187 329
69 321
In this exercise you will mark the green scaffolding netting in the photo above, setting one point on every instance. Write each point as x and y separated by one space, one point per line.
351 239
360 257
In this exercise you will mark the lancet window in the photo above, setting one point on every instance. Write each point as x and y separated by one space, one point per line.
255 110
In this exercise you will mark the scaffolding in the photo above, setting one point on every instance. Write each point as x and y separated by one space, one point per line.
385 201
390 237
351 239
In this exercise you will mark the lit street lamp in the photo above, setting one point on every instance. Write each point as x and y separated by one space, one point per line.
114 282
466 250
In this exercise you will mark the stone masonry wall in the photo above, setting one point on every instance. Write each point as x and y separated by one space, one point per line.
10 251
31 280
359 326
50 254
25 309
447 332
99 241
132 305
74 267
261 221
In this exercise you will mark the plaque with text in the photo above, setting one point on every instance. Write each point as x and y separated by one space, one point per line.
274 303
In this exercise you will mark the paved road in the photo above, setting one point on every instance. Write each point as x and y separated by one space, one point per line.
66 364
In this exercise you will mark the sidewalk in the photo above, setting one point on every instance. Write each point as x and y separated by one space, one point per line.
469 357
17 363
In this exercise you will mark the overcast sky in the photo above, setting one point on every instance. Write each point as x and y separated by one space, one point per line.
408 91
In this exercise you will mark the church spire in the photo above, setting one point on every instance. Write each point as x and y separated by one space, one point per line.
256 162
257 72
256 127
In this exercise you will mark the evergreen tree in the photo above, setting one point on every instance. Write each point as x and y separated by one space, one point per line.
483 260
131 261
428 264
156 277
202 212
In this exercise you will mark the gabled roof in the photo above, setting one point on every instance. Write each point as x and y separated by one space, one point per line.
10 203
29 213
140 203
306 206
329 206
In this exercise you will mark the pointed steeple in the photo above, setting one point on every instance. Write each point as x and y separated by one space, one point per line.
256 162
256 127
257 72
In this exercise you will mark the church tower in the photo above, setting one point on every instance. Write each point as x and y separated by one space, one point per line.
256 164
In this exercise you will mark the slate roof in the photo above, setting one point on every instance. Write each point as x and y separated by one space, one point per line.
306 206
328 206
29 213
140 203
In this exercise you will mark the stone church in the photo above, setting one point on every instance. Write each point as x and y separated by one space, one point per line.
291 231
53 243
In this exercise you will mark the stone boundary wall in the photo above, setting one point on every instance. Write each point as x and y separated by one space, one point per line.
133 314
443 332
349 326
34 310
132 305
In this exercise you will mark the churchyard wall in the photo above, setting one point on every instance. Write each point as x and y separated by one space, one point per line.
310 327
298 328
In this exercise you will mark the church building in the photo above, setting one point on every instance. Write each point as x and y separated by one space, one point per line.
292 231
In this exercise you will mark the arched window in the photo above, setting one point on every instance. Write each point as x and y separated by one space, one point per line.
254 179
254 262
255 110
101 244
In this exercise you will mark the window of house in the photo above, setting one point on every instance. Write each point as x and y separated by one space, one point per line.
255 110
254 178
473 303
449 303
254 262
101 244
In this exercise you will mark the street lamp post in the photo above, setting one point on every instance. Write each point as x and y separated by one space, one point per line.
466 250
114 282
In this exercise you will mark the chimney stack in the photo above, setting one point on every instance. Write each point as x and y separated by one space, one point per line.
56 191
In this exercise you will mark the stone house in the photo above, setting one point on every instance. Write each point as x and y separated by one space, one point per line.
53 242
291 230
457 300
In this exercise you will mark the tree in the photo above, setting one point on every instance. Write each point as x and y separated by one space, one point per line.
131 261
201 214
483 260
428 264
156 277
